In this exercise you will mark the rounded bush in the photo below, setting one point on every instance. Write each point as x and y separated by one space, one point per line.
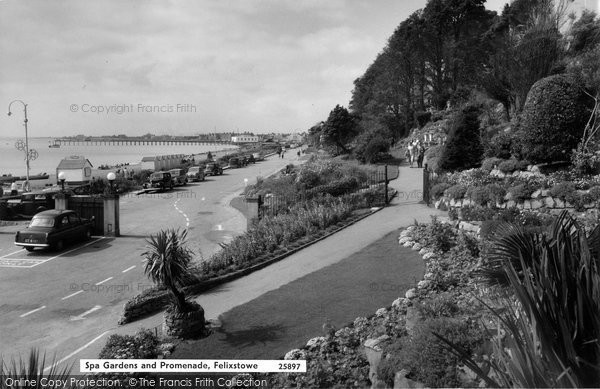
553 119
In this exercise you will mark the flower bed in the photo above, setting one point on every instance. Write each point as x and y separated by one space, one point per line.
395 346
225 266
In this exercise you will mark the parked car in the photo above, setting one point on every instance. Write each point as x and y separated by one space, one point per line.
234 163
161 180
257 157
213 169
195 173
179 177
53 229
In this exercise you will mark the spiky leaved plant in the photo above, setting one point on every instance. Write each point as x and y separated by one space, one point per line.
167 263
32 369
553 329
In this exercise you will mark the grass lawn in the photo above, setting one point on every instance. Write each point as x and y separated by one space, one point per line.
285 318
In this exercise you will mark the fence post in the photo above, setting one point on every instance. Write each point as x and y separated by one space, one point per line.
111 215
61 201
426 185
387 200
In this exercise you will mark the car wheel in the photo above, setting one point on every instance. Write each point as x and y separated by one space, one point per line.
88 234
30 249
59 245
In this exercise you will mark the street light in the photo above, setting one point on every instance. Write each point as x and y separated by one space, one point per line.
62 178
27 156
111 179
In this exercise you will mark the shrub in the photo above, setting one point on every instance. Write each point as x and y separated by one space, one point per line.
426 356
521 192
499 146
422 118
512 165
456 192
478 195
438 236
489 164
463 149
496 193
553 119
437 190
143 345
563 191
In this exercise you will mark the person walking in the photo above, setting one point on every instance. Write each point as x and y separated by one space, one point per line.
420 155
411 150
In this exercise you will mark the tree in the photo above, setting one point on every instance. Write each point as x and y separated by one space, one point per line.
464 149
339 129
167 261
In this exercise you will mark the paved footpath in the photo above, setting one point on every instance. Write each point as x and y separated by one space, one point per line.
403 211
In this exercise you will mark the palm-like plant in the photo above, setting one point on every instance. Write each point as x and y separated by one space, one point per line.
554 329
167 261
32 369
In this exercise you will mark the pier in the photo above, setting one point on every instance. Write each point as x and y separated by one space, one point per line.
138 142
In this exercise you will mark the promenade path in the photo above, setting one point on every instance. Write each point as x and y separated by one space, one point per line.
403 210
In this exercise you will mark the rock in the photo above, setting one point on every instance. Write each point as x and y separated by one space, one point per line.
295 354
558 203
500 205
545 192
404 233
424 284
535 169
410 294
511 204
537 194
536 204
466 203
400 381
549 202
399 302
527 204
405 239
508 196
315 342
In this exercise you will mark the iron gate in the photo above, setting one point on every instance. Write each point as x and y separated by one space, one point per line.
88 207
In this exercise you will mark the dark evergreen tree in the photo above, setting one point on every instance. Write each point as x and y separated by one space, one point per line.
339 129
464 149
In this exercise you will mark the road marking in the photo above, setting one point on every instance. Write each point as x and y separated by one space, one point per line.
129 268
14 252
72 294
70 251
35 310
82 316
103 281
80 349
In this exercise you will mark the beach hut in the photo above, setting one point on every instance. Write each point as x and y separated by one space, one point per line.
77 170
150 163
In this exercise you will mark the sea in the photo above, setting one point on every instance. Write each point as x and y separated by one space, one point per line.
12 160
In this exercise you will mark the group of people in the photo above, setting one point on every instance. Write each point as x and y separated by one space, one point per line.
415 152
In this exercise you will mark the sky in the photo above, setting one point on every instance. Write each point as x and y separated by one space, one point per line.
188 66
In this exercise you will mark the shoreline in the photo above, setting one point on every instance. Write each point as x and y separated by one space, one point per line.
97 173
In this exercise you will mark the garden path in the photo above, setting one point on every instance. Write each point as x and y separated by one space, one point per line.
403 210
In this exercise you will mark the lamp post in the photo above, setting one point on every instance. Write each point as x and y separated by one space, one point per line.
62 178
27 156
111 179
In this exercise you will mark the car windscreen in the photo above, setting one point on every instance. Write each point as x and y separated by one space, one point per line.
194 170
42 222
156 176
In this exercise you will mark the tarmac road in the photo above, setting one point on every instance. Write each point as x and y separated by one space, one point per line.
60 302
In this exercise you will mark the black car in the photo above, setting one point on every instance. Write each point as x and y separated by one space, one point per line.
53 229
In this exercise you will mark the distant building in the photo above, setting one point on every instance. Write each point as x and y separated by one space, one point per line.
77 170
244 139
